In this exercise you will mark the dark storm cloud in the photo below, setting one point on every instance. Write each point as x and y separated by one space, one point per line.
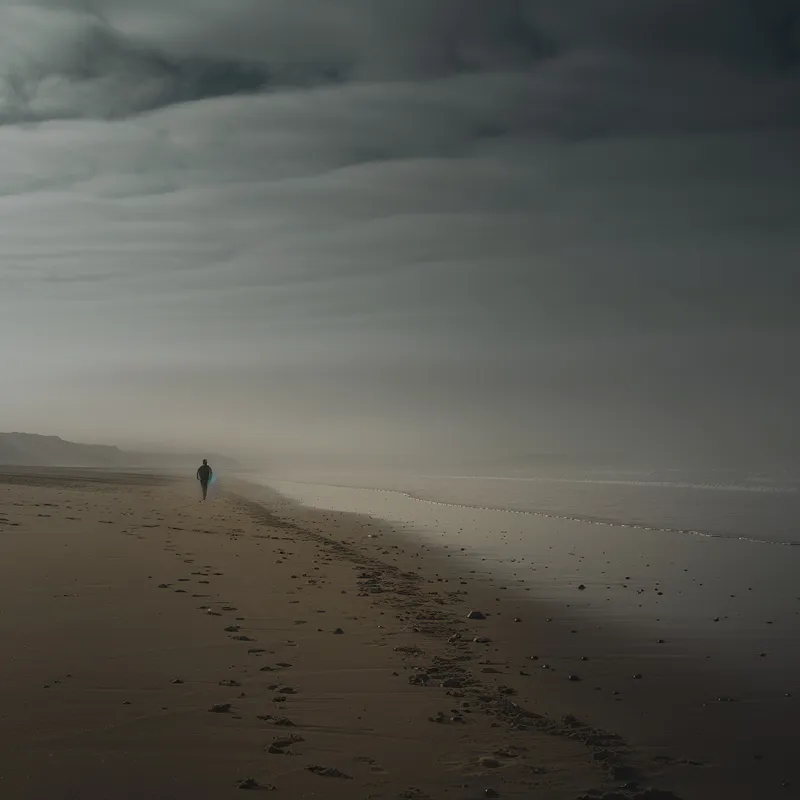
590 206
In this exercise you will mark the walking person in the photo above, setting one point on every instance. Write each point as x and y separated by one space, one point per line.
204 474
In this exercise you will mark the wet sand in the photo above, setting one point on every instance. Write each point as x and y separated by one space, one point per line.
158 646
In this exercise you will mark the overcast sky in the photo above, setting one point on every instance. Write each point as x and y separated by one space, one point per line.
402 226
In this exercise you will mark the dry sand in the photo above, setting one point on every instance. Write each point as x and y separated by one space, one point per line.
156 646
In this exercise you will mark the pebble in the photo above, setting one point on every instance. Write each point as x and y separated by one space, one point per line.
476 615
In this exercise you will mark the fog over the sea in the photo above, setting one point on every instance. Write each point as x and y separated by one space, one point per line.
402 226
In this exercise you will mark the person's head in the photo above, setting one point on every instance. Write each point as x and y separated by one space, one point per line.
205 461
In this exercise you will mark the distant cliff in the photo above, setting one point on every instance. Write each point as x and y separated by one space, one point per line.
34 450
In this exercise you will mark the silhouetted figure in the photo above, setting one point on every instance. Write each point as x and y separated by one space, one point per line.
204 474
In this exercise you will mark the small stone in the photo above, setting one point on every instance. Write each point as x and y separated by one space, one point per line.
476 615
490 793
220 708
177 680
574 678
338 631
582 587
637 676
249 783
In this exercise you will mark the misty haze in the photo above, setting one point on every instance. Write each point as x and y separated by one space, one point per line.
414 376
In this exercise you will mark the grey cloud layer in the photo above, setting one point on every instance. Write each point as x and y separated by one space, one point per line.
576 203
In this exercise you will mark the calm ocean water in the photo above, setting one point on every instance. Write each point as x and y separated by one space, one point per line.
757 506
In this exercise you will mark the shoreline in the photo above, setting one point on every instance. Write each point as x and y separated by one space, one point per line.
137 610
686 710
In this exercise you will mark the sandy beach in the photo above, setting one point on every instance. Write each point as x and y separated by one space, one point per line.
156 646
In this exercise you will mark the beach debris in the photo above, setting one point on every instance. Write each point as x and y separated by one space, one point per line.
573 678
220 708
328 772
338 631
637 676
177 680
582 587
476 615
481 640
517 619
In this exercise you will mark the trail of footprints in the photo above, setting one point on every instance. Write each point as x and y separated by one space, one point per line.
420 611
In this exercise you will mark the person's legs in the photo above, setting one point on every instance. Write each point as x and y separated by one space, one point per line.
205 488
